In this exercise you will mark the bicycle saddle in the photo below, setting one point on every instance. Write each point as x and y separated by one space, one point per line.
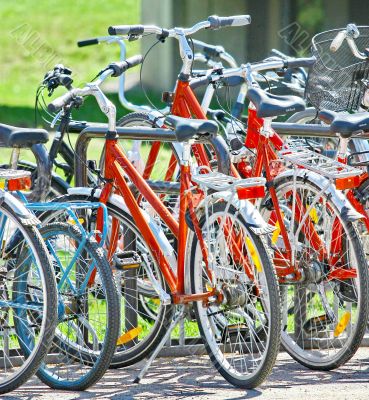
187 129
271 105
12 136
345 124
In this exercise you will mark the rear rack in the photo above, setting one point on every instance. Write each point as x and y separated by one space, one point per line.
14 174
332 169
219 182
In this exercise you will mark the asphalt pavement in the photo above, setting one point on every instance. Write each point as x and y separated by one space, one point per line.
195 378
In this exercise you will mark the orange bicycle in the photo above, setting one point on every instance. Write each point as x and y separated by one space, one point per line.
220 264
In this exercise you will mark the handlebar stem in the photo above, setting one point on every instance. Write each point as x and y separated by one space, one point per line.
185 52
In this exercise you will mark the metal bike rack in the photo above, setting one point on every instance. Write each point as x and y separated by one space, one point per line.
309 130
184 345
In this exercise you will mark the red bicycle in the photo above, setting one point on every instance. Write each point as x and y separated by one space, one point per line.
220 262
316 249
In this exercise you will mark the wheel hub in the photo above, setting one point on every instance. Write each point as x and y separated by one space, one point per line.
235 294
313 271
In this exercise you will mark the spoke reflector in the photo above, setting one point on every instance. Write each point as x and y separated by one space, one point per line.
254 255
276 233
129 336
342 324
314 215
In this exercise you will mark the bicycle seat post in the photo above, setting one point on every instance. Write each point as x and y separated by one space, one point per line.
14 157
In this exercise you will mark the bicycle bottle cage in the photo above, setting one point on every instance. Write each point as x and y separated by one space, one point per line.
13 180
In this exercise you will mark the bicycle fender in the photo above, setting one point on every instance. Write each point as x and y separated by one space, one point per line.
118 202
249 212
345 208
26 216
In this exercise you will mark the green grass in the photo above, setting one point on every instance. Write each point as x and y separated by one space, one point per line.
37 35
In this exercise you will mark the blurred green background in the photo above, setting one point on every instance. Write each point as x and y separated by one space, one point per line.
36 35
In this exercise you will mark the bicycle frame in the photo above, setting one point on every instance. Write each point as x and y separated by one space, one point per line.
186 105
115 163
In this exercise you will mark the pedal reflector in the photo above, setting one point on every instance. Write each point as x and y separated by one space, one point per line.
129 336
342 324
126 260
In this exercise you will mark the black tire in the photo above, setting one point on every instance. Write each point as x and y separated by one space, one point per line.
312 335
30 353
134 351
213 329
86 335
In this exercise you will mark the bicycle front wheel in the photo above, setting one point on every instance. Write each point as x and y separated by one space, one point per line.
241 332
28 301
141 328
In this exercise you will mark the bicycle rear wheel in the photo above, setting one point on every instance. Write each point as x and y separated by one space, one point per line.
324 314
28 301
241 333
88 310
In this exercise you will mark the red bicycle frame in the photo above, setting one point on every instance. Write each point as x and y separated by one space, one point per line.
116 165
186 105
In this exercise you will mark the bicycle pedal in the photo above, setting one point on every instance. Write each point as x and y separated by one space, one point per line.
70 307
347 291
126 260
234 331
317 324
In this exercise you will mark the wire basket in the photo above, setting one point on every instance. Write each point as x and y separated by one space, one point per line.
337 80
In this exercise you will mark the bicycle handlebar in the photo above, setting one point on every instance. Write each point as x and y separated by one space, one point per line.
87 42
60 102
300 62
221 22
208 49
350 34
113 69
213 22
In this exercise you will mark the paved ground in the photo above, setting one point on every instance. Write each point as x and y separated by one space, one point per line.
190 378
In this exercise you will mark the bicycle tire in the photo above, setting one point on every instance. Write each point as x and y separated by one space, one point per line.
269 332
46 288
84 341
302 329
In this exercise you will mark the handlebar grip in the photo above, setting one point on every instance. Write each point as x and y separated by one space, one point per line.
121 66
300 62
337 41
87 42
57 104
126 30
221 22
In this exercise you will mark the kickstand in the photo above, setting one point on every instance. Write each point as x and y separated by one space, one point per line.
179 315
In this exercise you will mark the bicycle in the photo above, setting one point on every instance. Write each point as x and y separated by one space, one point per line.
306 182
219 220
28 295
86 326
